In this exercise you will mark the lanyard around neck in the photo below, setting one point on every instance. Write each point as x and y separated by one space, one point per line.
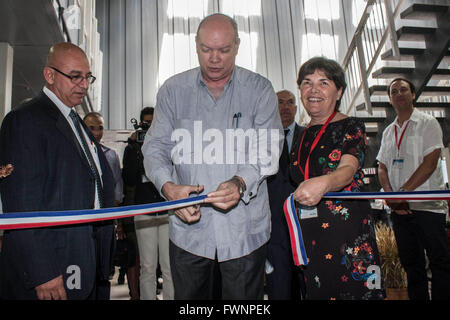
313 146
399 142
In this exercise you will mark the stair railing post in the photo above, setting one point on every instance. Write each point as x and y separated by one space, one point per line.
391 27
363 72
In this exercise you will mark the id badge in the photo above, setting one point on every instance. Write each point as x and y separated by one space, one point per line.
305 212
397 163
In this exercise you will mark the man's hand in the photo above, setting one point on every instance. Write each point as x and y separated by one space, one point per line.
400 207
6 170
133 136
227 194
173 191
120 232
52 290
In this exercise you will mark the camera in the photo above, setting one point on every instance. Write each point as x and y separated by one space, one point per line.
141 130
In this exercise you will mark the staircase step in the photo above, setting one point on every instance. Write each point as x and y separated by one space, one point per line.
381 105
394 72
372 119
423 11
408 33
431 91
408 54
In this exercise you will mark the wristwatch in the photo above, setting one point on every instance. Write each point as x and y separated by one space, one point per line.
240 185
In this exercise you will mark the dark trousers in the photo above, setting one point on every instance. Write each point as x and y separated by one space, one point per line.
286 281
418 232
196 278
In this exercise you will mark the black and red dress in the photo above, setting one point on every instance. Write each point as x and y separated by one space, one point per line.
340 243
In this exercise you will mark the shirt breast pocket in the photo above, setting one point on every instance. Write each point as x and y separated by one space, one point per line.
414 146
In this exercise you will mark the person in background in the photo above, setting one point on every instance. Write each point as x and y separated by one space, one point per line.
329 156
94 121
152 231
409 160
285 281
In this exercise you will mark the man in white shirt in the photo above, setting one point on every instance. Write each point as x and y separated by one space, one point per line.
408 161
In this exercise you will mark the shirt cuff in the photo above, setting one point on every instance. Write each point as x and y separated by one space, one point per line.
252 179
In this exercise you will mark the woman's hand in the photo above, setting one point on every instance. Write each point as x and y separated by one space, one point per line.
6 170
311 191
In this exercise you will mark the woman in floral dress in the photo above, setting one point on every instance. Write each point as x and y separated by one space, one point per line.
343 261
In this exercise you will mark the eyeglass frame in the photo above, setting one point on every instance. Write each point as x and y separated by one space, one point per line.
79 76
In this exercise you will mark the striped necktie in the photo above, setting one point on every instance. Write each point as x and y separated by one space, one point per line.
87 152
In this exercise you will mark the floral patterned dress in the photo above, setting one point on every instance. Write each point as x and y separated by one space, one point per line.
343 261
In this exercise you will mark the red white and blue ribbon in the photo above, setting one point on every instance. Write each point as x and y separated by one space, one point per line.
403 195
295 231
37 219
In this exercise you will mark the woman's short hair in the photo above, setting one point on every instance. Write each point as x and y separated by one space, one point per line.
332 70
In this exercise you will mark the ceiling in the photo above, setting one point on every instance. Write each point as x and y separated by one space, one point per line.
30 28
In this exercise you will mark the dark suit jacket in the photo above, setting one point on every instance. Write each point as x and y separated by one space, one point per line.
284 282
50 173
280 186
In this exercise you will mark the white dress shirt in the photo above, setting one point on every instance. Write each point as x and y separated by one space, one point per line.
422 136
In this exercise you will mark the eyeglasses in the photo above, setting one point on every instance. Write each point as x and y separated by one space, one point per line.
76 79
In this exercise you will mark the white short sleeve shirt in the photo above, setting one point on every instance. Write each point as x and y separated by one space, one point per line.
422 135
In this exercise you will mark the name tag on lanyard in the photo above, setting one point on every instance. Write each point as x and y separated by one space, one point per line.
397 164
305 212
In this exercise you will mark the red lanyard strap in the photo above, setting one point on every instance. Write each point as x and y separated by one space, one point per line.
313 146
398 143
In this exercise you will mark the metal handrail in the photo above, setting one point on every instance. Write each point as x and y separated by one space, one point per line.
363 52
63 21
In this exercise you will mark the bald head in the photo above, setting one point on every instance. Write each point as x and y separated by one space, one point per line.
218 20
59 52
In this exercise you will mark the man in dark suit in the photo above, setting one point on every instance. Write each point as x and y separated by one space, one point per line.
284 279
55 169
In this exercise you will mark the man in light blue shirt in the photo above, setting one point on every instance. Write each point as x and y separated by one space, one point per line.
216 127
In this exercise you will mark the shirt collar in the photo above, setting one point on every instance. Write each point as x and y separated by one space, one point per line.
65 110
414 117
291 128
202 81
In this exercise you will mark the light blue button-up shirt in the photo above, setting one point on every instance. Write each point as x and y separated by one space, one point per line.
189 143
